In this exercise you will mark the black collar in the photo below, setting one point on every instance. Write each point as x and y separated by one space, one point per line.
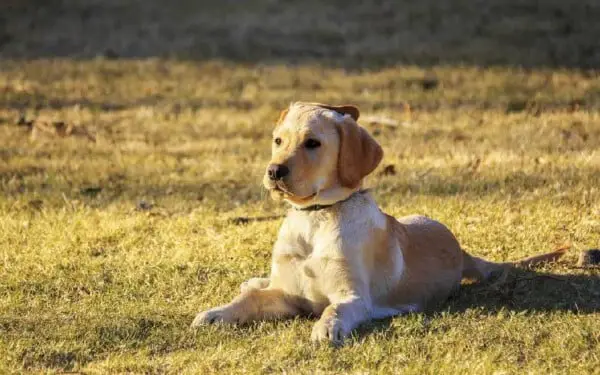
319 207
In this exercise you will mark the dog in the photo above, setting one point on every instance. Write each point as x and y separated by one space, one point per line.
337 255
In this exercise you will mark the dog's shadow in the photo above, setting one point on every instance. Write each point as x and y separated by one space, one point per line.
520 290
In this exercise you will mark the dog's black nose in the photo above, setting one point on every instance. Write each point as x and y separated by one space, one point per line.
277 171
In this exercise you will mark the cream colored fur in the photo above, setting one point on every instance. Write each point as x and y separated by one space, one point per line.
349 262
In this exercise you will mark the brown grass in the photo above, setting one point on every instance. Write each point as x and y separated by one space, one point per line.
109 246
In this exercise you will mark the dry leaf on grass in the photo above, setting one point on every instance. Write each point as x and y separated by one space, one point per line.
58 129
589 258
388 170
47 129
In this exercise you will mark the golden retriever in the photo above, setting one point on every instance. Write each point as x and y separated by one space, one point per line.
337 255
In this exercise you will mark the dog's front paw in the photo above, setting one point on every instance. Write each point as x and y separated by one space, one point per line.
329 330
254 283
216 315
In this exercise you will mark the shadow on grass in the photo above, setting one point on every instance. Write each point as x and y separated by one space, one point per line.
529 290
349 34
120 187
523 291
38 101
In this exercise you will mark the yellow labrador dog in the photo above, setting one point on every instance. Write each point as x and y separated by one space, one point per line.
338 256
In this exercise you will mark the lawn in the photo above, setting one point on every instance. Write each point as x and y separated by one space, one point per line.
133 140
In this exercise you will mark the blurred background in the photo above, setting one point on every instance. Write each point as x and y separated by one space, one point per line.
350 34
140 90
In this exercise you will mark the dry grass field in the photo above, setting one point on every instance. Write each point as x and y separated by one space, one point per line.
133 138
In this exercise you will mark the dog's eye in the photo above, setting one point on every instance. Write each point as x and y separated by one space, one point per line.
312 143
277 141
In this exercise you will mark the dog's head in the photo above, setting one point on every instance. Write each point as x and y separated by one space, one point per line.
319 155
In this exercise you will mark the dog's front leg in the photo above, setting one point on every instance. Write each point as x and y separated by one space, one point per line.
254 283
340 318
251 305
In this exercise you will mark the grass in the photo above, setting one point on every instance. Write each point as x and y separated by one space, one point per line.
109 248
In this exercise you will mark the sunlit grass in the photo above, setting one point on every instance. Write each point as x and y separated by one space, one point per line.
92 280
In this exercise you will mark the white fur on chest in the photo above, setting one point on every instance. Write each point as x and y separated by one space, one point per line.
337 232
310 242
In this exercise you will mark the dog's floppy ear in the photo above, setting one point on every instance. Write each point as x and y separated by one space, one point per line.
281 117
343 109
359 153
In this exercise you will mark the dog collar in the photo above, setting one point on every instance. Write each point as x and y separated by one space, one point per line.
319 207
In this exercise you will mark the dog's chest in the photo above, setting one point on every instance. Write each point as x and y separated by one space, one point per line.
317 254
307 243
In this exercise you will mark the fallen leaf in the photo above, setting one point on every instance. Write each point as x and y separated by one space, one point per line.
388 170
91 191
143 206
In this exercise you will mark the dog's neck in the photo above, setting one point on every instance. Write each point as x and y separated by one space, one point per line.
330 198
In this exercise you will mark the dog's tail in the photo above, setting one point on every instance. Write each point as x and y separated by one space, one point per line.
478 269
